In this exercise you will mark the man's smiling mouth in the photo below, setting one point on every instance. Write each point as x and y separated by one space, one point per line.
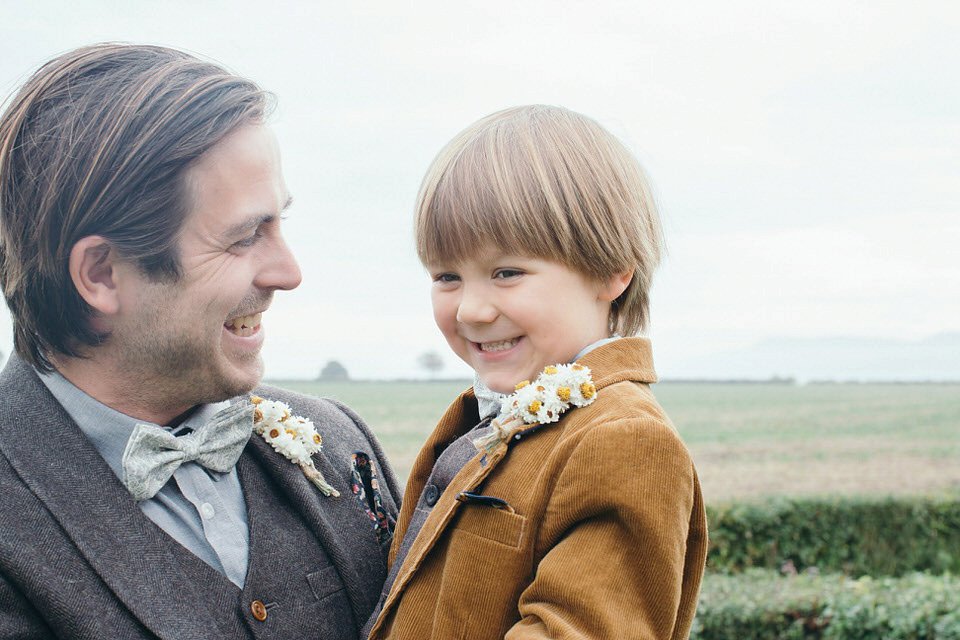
243 326
502 345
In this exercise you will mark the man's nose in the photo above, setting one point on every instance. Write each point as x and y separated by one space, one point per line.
476 306
281 270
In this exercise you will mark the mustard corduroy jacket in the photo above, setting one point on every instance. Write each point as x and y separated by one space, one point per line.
605 534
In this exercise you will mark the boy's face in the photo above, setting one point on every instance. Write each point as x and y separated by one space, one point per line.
510 316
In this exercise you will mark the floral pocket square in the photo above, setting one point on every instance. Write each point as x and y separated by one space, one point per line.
366 488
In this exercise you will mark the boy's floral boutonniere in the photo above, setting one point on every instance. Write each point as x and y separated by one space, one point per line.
293 436
554 391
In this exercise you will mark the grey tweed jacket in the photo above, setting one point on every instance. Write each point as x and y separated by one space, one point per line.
78 558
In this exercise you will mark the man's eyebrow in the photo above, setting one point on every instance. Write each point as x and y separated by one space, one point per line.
245 227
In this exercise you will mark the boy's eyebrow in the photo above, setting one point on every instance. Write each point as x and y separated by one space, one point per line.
242 228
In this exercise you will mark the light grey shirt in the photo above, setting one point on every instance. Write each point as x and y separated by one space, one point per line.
201 509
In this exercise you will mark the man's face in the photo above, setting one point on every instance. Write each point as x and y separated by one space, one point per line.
198 339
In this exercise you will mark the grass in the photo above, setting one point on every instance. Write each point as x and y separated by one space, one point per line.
747 440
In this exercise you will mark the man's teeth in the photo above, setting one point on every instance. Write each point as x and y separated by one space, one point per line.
498 346
244 326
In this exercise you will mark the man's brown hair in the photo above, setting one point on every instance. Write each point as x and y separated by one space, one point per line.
97 142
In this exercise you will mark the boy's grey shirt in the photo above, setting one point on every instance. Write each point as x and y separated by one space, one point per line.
79 559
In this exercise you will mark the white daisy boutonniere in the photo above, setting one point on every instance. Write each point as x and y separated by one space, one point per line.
292 436
555 390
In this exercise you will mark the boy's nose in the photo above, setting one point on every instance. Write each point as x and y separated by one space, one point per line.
475 307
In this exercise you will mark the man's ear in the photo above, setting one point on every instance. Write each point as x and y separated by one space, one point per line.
92 266
611 289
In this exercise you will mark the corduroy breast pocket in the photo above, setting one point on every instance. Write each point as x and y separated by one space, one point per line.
486 564
498 525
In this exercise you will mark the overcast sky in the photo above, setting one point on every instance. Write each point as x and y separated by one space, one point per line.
806 156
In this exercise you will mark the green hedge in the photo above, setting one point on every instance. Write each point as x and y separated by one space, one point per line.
888 537
763 605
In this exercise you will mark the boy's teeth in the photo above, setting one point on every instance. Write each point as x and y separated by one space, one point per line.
244 325
498 346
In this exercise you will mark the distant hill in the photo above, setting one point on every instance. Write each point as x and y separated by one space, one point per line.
835 358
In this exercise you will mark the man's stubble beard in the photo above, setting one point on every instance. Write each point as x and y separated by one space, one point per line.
164 366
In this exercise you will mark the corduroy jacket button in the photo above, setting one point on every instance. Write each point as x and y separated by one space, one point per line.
431 494
258 610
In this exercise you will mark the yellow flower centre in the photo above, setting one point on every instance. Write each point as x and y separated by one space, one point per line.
256 399
534 406
274 433
257 415
317 439
521 385
564 393
291 432
550 370
587 390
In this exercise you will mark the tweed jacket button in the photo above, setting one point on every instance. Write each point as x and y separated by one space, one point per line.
258 610
431 494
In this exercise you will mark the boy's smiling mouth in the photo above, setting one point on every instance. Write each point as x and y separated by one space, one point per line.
243 326
501 345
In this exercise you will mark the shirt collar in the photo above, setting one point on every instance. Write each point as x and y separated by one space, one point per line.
107 428
590 347
488 400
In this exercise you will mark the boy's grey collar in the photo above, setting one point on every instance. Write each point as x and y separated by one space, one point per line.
488 400
590 347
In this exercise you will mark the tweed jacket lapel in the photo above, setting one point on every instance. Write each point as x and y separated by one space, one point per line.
356 558
63 469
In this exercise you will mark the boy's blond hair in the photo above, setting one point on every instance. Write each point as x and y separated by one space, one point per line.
547 182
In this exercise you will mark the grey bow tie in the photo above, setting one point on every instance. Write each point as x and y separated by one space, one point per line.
153 454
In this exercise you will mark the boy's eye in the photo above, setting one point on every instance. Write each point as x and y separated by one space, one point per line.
445 278
504 274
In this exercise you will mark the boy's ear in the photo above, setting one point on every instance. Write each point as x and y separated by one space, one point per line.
92 267
611 289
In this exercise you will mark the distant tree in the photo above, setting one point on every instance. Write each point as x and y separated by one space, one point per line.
333 370
431 361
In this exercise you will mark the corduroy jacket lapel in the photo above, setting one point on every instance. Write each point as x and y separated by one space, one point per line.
60 466
451 426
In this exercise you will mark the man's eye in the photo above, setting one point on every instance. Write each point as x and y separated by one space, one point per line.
248 241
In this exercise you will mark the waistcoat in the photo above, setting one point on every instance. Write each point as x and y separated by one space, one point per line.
292 588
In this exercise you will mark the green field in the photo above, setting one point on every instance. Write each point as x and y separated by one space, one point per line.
748 440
